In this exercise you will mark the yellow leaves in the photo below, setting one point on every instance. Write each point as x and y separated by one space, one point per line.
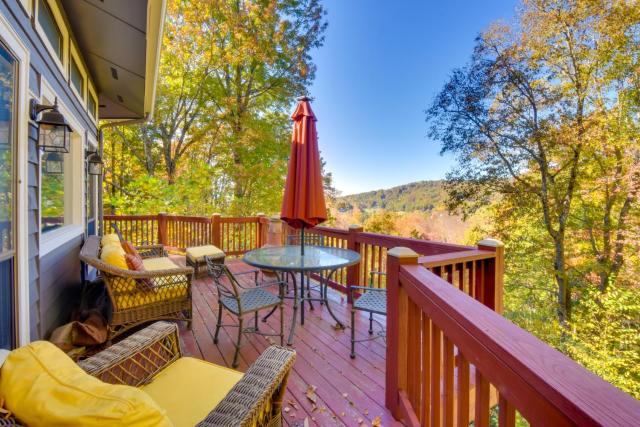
311 394
377 421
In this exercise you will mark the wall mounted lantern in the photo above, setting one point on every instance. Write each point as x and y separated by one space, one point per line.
53 129
53 163
94 163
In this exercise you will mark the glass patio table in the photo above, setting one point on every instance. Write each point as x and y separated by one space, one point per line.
316 259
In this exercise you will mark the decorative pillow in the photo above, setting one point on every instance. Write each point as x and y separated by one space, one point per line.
114 255
135 263
109 239
130 249
42 386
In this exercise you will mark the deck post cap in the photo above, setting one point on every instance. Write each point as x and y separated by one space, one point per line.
402 253
260 214
274 218
355 227
493 243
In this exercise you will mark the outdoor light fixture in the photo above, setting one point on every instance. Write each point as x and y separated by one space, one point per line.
53 129
94 163
53 164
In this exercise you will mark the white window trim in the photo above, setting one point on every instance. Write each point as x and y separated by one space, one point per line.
74 196
20 51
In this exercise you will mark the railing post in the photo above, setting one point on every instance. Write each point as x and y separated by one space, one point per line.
353 272
215 230
274 231
162 229
494 275
263 223
397 322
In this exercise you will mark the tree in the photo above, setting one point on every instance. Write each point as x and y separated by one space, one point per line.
525 116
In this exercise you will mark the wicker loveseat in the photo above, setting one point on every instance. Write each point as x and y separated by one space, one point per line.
163 291
186 391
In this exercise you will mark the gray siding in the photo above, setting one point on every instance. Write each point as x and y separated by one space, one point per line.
54 280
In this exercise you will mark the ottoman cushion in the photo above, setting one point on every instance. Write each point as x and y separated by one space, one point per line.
197 253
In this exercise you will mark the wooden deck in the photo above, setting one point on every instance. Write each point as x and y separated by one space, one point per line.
349 392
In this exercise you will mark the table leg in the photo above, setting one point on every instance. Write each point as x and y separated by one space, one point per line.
302 298
295 310
326 299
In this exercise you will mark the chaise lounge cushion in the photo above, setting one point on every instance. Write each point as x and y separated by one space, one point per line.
189 388
42 386
161 263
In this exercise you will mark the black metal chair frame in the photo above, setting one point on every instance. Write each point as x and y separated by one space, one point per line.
370 309
231 296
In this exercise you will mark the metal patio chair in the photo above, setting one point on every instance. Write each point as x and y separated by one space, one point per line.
372 300
241 301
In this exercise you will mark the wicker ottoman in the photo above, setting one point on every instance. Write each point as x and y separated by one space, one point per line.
196 254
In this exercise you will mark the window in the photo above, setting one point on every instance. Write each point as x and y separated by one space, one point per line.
52 188
50 27
77 81
7 196
91 106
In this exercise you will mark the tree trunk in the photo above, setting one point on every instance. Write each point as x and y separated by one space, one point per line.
562 280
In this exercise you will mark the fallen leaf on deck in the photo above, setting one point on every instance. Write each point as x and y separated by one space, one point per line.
311 393
314 407
293 404
366 412
286 409
345 395
342 414
377 422
360 420
306 422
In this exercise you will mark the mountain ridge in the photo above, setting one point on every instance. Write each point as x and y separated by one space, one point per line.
422 196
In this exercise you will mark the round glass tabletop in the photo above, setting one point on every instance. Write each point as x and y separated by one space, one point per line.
289 258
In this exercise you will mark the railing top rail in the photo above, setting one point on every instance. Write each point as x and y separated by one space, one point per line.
236 220
424 247
455 257
129 217
542 383
187 218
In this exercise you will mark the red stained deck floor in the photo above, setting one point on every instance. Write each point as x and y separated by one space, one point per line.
349 392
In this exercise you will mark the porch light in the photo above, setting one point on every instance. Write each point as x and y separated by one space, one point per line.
53 129
94 163
53 164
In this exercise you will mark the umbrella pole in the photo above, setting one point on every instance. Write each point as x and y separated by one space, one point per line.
302 240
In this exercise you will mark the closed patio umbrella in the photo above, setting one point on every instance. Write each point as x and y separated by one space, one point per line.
303 202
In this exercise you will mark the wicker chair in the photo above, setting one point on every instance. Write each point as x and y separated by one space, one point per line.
255 400
169 296
242 301
372 300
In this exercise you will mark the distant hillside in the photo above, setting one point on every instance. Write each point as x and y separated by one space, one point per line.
417 196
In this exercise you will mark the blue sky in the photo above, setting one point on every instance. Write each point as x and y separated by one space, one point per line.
380 66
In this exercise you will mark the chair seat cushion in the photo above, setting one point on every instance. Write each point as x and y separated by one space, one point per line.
42 386
189 389
251 300
161 263
372 301
197 253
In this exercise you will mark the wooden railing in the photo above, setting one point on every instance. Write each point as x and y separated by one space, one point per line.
234 236
478 270
451 359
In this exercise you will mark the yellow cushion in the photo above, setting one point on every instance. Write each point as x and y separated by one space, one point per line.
155 264
110 239
198 253
114 255
190 388
42 386
139 297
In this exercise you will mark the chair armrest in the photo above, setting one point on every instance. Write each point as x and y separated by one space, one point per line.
138 358
257 398
151 251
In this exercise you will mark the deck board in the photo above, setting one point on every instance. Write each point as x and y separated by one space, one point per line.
349 392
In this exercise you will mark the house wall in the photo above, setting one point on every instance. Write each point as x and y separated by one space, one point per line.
54 276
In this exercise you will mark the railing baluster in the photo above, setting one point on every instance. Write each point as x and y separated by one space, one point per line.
482 386
436 365
462 391
506 413
448 363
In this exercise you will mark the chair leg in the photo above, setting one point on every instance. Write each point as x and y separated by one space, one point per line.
353 334
370 323
282 324
238 343
218 324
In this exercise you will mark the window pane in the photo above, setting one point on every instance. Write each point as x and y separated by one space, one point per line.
91 106
76 77
7 82
50 26
52 191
